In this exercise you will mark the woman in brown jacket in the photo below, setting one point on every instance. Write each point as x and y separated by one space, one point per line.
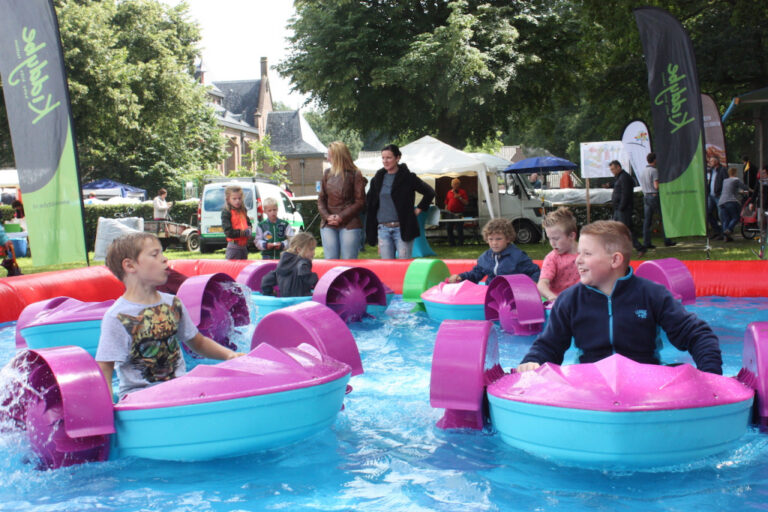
340 202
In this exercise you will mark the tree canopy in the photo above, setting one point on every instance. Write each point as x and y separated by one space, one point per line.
140 116
546 73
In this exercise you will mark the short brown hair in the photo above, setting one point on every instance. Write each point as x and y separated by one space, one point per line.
127 246
501 226
300 241
732 172
614 235
562 217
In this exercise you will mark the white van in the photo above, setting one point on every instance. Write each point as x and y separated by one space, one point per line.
255 190
519 203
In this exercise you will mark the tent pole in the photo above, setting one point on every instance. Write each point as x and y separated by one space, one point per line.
588 212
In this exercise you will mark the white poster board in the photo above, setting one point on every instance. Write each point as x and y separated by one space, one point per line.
595 157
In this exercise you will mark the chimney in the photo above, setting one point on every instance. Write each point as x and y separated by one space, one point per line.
264 67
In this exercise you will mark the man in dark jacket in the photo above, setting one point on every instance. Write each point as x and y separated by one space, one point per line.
394 218
623 200
715 176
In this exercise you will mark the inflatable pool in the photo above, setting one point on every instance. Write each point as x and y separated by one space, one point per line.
95 284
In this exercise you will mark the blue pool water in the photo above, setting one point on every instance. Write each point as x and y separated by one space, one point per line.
384 453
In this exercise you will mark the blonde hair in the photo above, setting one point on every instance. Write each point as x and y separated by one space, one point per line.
301 241
233 189
732 171
562 217
501 226
340 157
614 235
125 247
268 201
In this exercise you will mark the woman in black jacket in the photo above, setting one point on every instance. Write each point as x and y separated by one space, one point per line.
391 215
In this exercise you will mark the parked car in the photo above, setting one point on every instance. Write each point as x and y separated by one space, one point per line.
255 190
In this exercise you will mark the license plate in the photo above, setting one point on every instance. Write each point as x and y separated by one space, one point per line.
215 229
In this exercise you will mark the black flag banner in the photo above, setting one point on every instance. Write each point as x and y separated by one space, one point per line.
37 102
677 120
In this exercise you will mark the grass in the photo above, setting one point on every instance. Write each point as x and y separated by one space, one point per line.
693 248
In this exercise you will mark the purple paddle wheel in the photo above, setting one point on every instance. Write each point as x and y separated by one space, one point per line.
61 400
349 290
515 302
216 304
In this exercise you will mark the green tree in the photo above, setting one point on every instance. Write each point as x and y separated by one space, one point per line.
328 132
606 76
548 73
413 66
140 116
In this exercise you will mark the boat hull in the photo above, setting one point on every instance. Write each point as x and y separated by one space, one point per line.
228 428
631 439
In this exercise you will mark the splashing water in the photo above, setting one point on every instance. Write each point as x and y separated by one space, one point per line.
384 453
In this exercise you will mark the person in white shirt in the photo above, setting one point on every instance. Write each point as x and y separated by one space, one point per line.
161 207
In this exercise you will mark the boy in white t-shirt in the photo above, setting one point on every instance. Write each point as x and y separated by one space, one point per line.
558 271
141 334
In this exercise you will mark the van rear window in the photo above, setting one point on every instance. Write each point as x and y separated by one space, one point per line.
213 201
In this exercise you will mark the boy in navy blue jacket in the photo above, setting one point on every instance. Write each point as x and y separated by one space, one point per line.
613 311
503 258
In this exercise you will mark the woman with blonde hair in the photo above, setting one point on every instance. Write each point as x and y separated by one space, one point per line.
341 201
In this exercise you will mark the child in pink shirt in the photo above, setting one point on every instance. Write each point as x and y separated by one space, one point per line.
558 271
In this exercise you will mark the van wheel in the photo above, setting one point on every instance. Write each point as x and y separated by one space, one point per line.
205 248
526 232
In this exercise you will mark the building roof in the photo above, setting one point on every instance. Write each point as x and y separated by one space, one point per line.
241 97
227 118
292 136
215 91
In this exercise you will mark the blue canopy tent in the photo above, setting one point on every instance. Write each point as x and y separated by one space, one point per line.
541 164
106 188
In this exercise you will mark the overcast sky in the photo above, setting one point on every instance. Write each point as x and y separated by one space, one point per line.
237 33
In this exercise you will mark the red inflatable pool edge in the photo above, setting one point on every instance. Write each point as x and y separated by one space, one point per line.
89 284
96 283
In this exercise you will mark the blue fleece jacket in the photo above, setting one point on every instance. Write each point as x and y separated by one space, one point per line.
627 322
509 261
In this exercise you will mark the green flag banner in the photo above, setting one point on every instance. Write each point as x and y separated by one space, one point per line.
677 121
37 101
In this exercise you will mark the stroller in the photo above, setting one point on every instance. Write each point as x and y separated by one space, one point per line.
748 219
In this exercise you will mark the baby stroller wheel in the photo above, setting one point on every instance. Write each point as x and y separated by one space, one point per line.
748 231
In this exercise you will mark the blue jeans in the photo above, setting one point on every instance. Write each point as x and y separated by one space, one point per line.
390 241
729 215
651 205
712 215
340 242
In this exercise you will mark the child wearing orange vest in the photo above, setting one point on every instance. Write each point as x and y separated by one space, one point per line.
236 224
